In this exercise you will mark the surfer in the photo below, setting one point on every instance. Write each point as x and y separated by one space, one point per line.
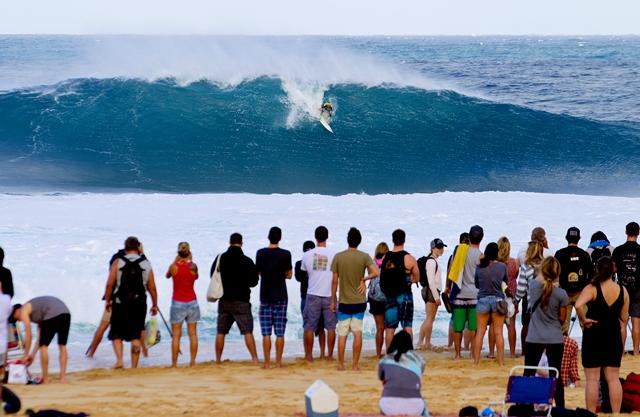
328 108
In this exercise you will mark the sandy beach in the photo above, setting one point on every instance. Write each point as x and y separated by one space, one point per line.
242 389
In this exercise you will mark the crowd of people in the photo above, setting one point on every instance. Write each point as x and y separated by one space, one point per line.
484 289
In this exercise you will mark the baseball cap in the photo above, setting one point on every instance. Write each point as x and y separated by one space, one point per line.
437 243
573 232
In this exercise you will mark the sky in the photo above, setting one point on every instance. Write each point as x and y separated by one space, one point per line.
326 17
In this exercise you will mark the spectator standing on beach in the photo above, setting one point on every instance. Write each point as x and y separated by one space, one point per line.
538 234
53 318
627 267
317 263
239 275
599 246
466 297
303 278
130 278
575 271
401 374
399 271
5 313
349 268
603 319
569 372
466 336
548 312
513 267
6 279
431 281
528 271
274 266
184 303
489 277
377 298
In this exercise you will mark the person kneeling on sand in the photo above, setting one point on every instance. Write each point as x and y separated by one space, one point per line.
130 278
401 375
53 317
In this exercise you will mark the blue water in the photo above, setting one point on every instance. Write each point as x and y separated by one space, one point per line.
198 114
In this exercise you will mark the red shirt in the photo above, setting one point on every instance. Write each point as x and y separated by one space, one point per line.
183 283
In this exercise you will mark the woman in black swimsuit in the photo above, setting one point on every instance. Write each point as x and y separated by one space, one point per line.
608 311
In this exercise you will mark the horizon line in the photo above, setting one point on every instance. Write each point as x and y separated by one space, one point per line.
467 35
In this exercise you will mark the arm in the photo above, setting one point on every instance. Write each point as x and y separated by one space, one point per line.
111 282
252 273
334 290
431 268
562 314
289 273
372 270
194 270
25 318
8 284
624 312
153 292
412 267
587 294
173 269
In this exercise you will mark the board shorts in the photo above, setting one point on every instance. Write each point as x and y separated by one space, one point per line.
350 317
127 321
238 312
56 325
181 311
273 317
317 310
464 315
398 310
376 307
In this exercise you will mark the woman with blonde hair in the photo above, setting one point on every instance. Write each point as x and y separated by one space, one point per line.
513 266
377 298
548 312
528 271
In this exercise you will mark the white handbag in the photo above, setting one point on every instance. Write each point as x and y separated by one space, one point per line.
215 290
17 374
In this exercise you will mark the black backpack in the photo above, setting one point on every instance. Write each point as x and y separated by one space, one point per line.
131 288
393 276
597 253
422 267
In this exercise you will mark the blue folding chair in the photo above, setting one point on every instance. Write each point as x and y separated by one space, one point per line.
530 390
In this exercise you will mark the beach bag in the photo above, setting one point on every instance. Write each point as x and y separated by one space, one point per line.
152 332
131 288
17 373
631 393
215 290
502 307
375 292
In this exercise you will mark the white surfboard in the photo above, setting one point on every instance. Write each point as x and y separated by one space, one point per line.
324 121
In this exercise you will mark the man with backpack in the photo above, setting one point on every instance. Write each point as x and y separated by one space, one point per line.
575 271
431 282
626 258
129 280
398 272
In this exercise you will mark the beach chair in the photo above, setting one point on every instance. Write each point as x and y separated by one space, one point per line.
15 344
530 390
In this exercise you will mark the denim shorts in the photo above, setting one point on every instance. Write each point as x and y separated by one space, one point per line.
398 311
189 312
488 304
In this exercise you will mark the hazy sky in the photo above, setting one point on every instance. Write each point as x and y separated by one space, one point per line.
325 17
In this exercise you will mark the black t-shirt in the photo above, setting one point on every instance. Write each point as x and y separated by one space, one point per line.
6 280
575 268
303 278
238 273
273 265
627 260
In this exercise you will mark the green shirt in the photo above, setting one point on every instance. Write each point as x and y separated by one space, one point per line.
351 266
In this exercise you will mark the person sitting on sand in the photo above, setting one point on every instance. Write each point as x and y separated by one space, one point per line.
184 303
349 269
401 374
130 278
53 317
274 266
239 275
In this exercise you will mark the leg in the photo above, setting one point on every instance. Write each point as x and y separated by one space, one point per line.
498 325
379 319
322 342
512 336
492 340
64 357
483 319
279 350
44 363
308 345
388 334
635 335
331 343
457 343
554 354
523 337
468 339
220 346
192 330
342 344
423 328
251 347
357 349
136 348
450 336
117 349
432 310
567 322
266 350
459 316
97 338
176 329
592 388
615 388
532 357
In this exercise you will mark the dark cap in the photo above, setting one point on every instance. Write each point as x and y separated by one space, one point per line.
437 243
573 233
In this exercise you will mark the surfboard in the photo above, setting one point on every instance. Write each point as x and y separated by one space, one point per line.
324 121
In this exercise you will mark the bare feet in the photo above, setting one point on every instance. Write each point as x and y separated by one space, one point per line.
278 364
255 361
118 365
340 366
355 368
266 365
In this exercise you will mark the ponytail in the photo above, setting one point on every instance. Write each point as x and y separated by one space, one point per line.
550 271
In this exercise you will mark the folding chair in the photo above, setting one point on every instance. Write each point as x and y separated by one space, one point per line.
530 390
15 345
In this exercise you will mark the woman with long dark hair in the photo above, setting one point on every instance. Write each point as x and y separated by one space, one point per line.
377 298
401 374
602 340
490 275
548 310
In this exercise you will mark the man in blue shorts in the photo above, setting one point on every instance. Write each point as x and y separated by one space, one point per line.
274 266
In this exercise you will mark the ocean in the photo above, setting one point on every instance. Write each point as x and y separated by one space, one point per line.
193 138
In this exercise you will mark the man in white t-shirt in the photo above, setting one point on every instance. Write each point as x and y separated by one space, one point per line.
538 234
317 263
